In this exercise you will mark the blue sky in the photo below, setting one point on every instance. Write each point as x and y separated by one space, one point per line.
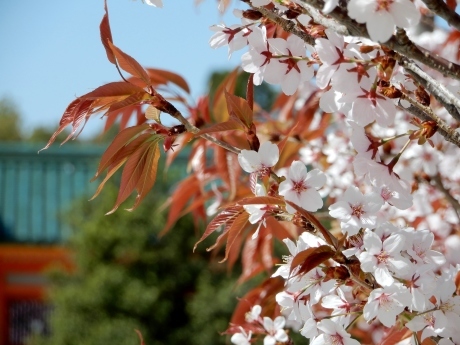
50 51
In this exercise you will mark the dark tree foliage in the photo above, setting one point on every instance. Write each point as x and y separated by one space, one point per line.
128 278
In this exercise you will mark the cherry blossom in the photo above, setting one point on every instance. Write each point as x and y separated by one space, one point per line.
301 186
234 36
261 161
386 304
382 256
356 210
241 338
333 333
294 69
275 330
382 16
261 59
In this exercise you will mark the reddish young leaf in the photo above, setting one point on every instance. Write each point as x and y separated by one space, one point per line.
249 260
224 218
134 99
133 171
311 258
235 230
141 339
114 89
177 201
159 76
106 34
240 108
149 174
129 64
113 169
261 200
229 125
122 139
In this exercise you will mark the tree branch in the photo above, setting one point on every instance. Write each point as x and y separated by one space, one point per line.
426 114
400 42
440 186
439 91
287 25
441 9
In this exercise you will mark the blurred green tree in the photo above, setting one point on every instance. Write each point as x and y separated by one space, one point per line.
10 120
128 278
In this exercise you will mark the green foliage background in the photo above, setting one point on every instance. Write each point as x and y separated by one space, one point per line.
128 278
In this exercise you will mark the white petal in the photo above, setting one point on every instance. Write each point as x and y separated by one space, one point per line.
269 154
380 26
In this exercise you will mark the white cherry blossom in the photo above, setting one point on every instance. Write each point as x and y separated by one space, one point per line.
386 304
275 330
381 16
300 187
241 338
356 210
260 161
333 333
382 256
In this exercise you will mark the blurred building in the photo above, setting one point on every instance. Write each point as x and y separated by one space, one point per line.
35 192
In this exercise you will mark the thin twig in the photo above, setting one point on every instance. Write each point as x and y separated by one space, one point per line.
192 129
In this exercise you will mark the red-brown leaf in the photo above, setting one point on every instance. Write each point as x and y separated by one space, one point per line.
311 258
261 200
129 64
132 172
106 34
181 196
149 174
234 231
229 125
122 139
240 108
114 89
159 76
224 218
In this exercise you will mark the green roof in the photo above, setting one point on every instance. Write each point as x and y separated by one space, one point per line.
36 188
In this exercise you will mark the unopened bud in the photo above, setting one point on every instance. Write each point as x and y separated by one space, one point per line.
252 14
422 96
366 49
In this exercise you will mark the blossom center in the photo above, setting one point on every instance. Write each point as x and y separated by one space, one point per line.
386 193
429 319
357 210
335 339
299 187
383 257
263 171
385 301
383 5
